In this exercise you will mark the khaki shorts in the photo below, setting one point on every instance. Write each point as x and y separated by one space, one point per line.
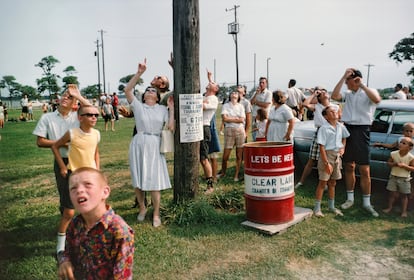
335 160
234 137
401 184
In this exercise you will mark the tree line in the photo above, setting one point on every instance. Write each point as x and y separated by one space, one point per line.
51 84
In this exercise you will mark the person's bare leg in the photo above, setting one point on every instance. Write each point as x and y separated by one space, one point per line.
141 198
391 199
307 170
239 156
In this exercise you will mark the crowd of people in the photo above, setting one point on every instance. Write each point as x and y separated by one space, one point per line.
342 134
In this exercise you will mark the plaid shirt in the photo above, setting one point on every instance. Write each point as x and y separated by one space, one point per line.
106 251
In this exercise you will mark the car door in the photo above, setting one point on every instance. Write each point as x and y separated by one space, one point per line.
381 133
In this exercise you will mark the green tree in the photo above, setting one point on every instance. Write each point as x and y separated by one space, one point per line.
404 50
90 91
30 91
70 77
124 81
9 82
49 81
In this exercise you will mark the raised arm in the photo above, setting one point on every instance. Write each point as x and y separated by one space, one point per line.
171 120
308 101
210 76
129 89
74 91
336 93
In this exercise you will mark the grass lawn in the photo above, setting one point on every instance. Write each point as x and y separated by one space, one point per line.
201 240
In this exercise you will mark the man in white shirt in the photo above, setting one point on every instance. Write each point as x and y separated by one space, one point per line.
210 104
398 93
357 115
261 99
295 99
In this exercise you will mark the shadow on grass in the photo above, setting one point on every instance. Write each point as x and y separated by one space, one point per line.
28 237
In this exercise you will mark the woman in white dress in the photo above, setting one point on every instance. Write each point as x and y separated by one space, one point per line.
147 165
280 124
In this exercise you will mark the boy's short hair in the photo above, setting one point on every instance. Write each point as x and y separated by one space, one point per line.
82 107
408 125
90 169
325 110
409 141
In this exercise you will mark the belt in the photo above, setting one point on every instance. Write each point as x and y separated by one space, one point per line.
357 125
149 133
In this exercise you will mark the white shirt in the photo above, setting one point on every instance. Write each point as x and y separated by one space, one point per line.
358 108
264 96
236 110
53 126
295 97
209 108
399 95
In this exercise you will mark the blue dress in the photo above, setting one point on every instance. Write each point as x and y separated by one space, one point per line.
215 143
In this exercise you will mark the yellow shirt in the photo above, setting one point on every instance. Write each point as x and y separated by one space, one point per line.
82 148
398 171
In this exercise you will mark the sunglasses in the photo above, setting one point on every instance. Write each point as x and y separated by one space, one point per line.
89 115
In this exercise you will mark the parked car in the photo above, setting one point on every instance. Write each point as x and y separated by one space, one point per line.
37 104
389 119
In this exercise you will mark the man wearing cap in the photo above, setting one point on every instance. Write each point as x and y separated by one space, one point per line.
358 111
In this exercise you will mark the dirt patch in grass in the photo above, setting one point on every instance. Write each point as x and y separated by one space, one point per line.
369 262
233 258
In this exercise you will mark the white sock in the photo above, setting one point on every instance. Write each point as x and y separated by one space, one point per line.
350 195
366 200
61 239
317 206
331 203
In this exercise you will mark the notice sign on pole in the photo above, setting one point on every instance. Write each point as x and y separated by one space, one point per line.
191 117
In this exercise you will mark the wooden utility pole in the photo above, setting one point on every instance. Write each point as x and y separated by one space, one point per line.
186 81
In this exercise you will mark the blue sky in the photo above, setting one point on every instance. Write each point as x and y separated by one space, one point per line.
310 40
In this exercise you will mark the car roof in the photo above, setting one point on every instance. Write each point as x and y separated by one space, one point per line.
397 105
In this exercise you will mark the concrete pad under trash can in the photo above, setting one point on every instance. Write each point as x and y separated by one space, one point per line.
300 214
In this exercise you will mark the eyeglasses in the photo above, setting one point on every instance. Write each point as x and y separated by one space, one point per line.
151 90
89 115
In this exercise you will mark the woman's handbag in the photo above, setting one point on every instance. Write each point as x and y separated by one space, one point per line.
167 141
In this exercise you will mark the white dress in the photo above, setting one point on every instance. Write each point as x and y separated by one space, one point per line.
279 123
147 165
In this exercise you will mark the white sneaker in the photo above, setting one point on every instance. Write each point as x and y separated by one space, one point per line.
371 210
298 185
336 211
348 204
156 222
141 216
